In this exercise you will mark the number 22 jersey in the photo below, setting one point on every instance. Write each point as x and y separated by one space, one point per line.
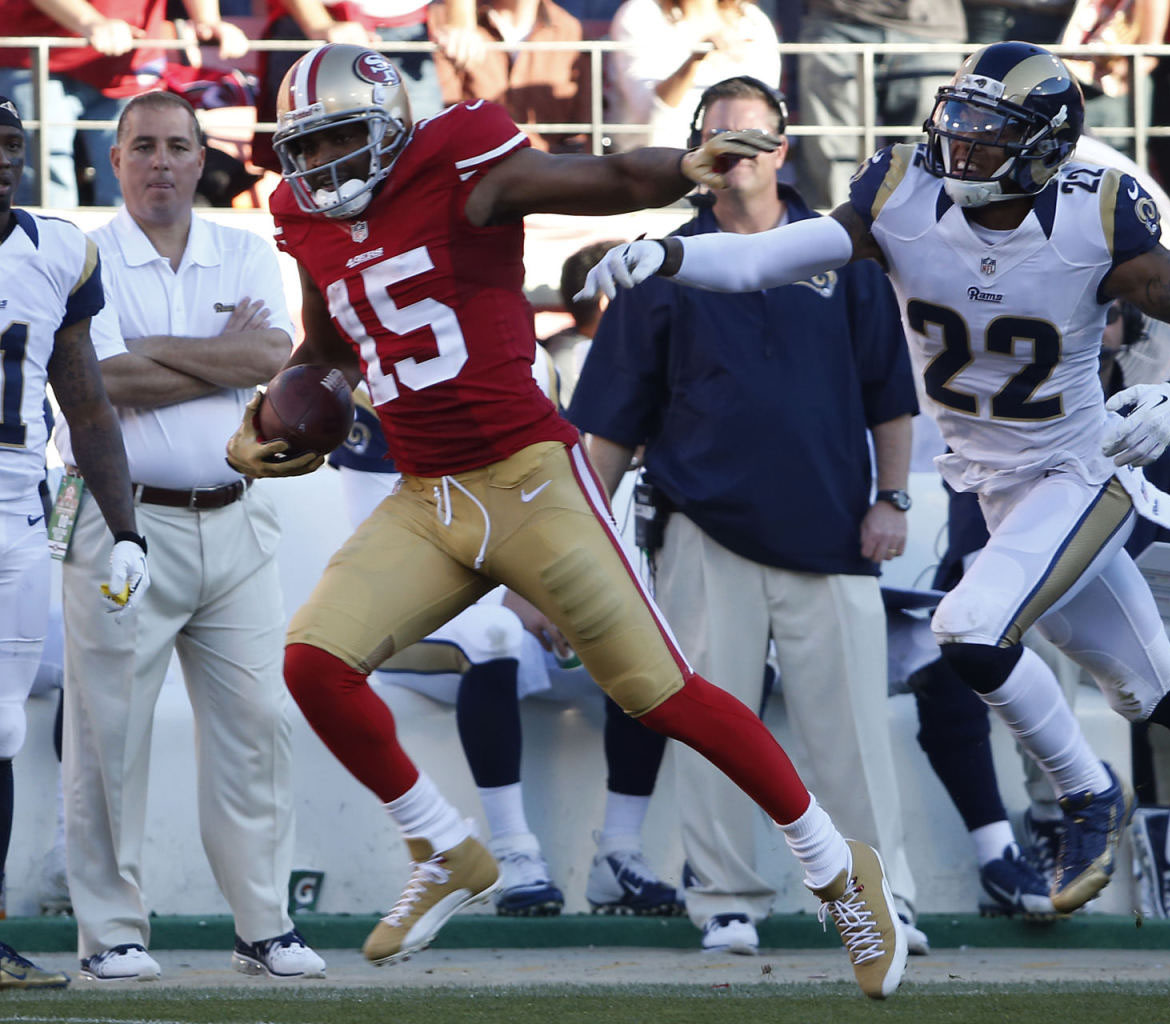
1005 327
434 305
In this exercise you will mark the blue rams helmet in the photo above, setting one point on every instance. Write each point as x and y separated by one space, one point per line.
1013 96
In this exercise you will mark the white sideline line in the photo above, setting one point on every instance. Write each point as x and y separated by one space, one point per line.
95 1020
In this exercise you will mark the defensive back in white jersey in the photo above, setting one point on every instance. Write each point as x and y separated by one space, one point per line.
49 278
1005 326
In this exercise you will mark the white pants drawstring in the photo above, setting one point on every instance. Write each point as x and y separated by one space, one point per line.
444 512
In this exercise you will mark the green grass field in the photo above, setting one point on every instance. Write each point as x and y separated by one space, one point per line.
759 1004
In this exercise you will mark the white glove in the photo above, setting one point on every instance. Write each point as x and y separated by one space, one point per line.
622 267
129 577
1141 431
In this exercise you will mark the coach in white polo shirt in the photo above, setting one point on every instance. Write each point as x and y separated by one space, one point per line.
181 349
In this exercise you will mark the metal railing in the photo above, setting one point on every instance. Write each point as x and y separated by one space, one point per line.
866 130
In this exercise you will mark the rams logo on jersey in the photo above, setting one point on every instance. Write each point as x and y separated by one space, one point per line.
1147 213
823 284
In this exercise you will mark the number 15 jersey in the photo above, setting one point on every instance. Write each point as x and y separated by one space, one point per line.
1005 327
434 305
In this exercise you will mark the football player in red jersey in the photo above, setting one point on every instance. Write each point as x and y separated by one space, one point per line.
409 240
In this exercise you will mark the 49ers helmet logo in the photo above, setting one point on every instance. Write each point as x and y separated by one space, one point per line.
373 67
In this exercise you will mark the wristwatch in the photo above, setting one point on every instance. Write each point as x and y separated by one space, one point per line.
899 499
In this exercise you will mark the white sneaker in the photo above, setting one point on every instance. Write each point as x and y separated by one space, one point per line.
525 887
285 956
730 933
128 962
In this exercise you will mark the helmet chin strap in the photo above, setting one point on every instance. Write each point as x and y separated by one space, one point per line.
351 197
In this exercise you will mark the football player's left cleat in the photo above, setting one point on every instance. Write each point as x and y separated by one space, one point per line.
441 883
862 908
1015 887
17 971
1093 825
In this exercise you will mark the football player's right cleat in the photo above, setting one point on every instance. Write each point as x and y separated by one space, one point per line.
440 885
622 882
862 908
1015 887
1093 825
525 887
17 971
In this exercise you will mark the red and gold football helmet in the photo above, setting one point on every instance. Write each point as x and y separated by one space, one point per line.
330 87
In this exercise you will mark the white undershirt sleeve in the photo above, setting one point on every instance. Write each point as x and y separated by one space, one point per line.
728 262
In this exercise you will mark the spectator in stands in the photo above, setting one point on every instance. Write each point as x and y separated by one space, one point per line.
95 82
534 86
675 51
829 89
570 346
1033 21
1107 80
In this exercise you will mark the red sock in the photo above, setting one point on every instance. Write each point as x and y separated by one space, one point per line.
352 720
726 733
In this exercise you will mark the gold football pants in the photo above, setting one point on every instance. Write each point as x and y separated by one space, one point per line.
537 522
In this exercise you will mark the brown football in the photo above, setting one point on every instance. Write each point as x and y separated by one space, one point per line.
309 406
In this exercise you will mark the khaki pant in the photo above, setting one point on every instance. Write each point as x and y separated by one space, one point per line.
215 597
830 634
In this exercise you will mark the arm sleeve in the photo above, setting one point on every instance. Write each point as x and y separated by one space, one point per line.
726 262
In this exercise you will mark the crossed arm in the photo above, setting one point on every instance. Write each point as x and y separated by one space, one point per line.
160 370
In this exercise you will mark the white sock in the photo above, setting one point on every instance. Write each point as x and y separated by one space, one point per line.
422 812
503 806
1033 706
817 844
624 814
991 840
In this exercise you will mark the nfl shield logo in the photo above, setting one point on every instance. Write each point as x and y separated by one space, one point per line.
987 265
360 231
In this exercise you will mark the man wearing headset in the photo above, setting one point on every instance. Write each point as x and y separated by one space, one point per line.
758 445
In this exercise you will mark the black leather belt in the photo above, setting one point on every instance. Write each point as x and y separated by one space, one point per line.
197 498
